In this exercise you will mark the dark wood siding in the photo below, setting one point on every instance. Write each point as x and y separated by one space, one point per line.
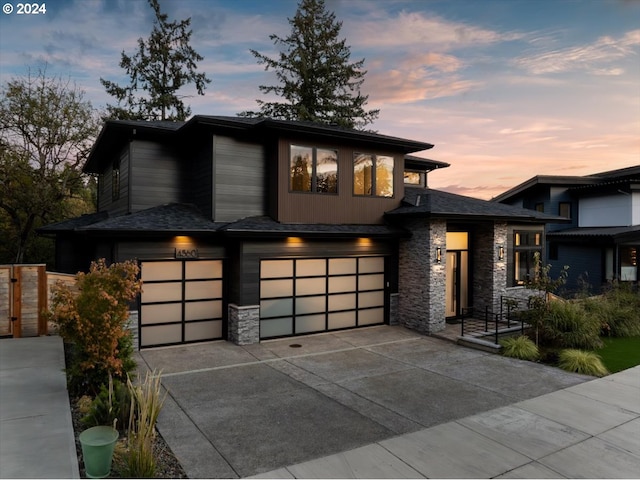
343 208
240 182
156 175
106 203
162 250
200 176
247 291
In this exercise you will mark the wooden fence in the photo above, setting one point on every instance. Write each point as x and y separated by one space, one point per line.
25 291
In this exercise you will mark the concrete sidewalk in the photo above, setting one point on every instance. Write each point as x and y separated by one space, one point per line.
36 431
590 430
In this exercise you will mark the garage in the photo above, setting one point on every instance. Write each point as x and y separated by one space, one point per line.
181 302
306 295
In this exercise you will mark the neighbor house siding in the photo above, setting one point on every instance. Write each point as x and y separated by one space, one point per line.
239 181
156 176
609 211
343 207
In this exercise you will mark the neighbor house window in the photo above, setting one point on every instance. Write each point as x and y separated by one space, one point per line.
372 175
313 170
540 207
414 178
628 264
525 246
564 209
115 180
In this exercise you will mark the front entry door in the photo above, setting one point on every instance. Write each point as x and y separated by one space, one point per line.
457 288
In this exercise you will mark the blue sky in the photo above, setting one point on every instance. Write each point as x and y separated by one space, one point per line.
505 89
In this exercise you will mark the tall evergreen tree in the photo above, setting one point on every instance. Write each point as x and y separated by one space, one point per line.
163 64
316 79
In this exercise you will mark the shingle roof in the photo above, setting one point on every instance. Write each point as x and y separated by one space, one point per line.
74 223
423 202
266 226
627 233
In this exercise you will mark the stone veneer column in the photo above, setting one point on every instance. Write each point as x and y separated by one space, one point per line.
489 273
422 287
244 324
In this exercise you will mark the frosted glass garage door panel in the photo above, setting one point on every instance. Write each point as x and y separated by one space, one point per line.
161 271
276 327
203 269
371 317
161 292
203 310
311 323
276 268
342 284
370 299
309 268
345 301
342 266
161 313
276 308
162 334
203 289
342 320
276 288
311 286
310 305
371 265
371 282
202 330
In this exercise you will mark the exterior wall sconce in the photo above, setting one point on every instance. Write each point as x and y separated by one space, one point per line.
438 255
500 252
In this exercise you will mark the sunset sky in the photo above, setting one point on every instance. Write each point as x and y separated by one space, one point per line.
505 89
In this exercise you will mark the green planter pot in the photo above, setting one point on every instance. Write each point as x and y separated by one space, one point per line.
97 450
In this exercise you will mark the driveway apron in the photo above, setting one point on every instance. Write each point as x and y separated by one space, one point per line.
236 411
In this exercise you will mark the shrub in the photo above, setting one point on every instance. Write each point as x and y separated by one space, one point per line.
617 310
92 316
145 408
111 407
568 325
579 361
519 347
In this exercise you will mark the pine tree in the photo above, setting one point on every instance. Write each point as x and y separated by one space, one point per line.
163 64
316 79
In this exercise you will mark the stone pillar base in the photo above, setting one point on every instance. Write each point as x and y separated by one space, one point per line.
244 324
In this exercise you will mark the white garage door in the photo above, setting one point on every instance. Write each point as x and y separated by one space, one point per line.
181 302
320 294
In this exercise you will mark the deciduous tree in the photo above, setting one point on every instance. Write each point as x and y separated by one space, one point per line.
317 81
163 64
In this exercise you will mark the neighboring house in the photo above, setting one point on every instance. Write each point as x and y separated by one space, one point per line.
602 240
247 229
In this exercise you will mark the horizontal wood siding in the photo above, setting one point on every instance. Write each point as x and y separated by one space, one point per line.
254 251
200 183
240 184
163 250
106 203
343 208
156 175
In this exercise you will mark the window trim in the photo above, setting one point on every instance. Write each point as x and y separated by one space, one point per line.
565 204
525 248
314 170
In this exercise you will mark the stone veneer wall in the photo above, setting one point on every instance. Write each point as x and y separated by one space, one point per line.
393 309
244 324
421 300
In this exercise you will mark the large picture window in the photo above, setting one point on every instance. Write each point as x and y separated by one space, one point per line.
372 175
313 170
525 245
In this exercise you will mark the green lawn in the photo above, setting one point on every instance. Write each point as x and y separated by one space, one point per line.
620 353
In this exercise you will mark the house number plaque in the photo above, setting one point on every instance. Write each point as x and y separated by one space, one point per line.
186 253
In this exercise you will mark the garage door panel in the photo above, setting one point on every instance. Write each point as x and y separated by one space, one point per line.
194 331
311 323
370 299
203 289
342 320
342 284
276 308
342 266
276 327
371 265
161 292
371 282
203 310
311 286
310 305
276 268
276 288
342 302
160 335
158 271
371 316
203 269
310 268
160 313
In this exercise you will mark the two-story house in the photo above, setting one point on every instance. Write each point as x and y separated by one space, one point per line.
248 229
602 239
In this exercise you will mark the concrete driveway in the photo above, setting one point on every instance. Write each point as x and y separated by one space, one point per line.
239 411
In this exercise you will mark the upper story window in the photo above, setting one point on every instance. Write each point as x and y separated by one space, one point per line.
414 178
115 180
539 207
372 175
313 170
564 209
525 245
